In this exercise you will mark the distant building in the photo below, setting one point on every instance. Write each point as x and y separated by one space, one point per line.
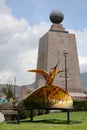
24 91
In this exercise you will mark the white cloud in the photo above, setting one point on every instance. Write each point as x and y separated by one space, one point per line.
82 60
28 60
3 8
18 46
83 64
6 76
81 39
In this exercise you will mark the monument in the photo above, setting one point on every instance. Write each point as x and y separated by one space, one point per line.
58 45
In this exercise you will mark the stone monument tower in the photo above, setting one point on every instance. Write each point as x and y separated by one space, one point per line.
58 45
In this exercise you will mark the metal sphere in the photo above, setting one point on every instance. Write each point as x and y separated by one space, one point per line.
56 17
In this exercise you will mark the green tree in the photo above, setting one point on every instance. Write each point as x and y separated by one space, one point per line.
8 91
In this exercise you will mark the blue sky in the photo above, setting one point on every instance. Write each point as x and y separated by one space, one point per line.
24 22
36 11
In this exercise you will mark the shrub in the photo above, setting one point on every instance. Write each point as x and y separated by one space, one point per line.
80 105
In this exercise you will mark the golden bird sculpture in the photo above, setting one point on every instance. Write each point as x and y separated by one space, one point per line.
48 95
49 76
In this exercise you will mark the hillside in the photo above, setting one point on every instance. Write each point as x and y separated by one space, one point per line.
32 86
84 81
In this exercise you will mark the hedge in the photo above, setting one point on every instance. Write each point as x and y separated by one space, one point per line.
80 105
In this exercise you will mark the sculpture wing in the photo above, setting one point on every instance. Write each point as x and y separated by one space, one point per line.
41 72
49 96
59 71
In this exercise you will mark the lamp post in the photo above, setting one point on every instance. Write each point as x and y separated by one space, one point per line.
65 55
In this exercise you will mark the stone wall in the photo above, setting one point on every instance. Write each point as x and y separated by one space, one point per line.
7 110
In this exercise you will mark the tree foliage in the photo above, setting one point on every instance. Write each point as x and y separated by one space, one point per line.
8 91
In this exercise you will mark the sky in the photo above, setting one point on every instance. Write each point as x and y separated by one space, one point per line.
24 22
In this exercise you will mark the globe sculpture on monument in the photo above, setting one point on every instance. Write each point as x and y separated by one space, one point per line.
56 17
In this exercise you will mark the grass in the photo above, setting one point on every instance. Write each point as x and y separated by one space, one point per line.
52 121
